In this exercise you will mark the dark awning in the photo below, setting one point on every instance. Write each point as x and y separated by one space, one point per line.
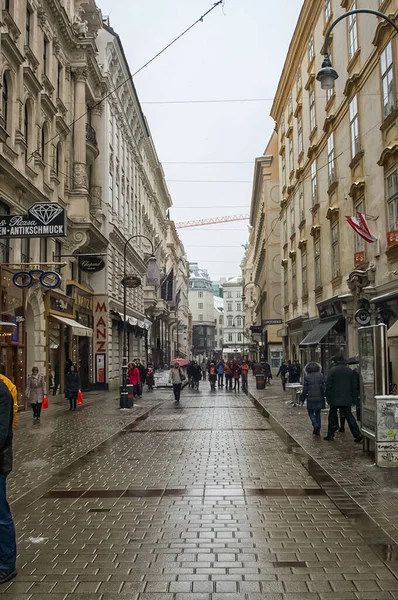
318 333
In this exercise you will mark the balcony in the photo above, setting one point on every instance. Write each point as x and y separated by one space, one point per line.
92 151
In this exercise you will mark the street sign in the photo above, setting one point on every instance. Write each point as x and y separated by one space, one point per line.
362 317
44 219
272 321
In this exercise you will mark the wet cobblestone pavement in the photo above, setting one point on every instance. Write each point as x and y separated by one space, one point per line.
202 502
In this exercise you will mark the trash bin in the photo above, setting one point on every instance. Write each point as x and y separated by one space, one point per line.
260 382
130 391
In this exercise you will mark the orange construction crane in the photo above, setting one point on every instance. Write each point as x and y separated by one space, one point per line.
213 221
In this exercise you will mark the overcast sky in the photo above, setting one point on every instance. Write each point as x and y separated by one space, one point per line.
236 53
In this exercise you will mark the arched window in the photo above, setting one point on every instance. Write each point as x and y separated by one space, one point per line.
4 99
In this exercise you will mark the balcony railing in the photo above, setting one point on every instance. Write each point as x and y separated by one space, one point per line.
91 136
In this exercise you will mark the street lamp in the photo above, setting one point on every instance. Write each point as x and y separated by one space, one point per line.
261 312
129 281
327 75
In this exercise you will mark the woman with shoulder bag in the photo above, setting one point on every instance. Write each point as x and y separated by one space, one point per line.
314 393
35 392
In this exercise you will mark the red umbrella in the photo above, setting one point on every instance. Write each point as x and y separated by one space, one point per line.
180 361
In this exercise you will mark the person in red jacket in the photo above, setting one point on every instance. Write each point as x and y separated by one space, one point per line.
134 377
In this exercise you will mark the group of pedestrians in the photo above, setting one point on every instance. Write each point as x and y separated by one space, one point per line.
290 371
139 375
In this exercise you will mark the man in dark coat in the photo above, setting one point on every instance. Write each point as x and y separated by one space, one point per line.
8 548
314 393
341 393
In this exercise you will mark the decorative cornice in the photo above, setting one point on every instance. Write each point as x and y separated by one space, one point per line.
388 152
302 244
351 85
384 31
315 229
332 212
357 188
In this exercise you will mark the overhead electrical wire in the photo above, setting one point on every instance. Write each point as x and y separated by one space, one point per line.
130 78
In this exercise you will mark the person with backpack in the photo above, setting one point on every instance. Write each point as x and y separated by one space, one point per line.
220 373
212 376
176 378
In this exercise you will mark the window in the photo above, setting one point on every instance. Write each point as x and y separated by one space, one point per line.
43 250
294 280
327 8
45 56
200 306
4 100
387 80
117 197
200 317
331 91
304 285
229 294
239 294
298 79
43 142
111 189
352 33
312 109
359 241
26 131
239 337
290 104
335 250
200 294
282 126
28 18
354 127
220 321
230 323
291 165
59 80
331 164
276 359
300 134
392 200
25 250
58 159
283 162
230 337
301 202
317 260
229 307
238 306
284 228
311 53
239 322
314 190
292 217
285 285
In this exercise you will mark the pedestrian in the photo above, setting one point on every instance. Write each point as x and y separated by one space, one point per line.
341 393
68 365
291 367
314 393
237 371
73 386
245 374
298 370
212 376
8 419
203 366
190 373
150 378
176 377
267 372
220 373
35 392
282 373
228 375
143 371
134 377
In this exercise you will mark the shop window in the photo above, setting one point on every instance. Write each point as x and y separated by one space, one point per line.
276 358
352 33
392 200
354 127
387 80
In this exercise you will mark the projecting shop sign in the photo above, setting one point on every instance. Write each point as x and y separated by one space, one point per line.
44 219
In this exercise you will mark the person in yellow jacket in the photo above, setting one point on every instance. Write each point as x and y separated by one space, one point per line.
13 391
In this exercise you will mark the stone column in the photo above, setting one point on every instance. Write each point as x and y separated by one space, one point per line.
79 141
97 175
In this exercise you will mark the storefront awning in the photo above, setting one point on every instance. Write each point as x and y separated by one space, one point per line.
393 331
318 333
77 328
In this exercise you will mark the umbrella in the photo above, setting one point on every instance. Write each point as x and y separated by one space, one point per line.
180 361
353 361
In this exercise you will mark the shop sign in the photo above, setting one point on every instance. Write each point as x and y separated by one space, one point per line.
256 328
392 238
330 309
84 301
91 264
272 321
61 304
44 219
362 317
359 258
100 336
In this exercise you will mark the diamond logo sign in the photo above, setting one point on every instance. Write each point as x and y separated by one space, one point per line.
46 212
44 219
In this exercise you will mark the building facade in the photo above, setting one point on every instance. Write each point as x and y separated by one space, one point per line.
262 263
338 156
219 325
201 305
235 340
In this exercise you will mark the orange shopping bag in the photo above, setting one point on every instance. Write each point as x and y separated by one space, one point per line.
44 404
80 398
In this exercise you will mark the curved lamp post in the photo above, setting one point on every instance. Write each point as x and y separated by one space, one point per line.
128 281
327 75
261 314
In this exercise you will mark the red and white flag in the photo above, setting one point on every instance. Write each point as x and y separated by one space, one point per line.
360 227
